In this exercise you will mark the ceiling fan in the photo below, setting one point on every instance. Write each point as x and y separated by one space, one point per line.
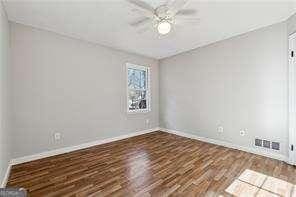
164 16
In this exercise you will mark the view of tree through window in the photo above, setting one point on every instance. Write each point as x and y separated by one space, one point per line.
137 88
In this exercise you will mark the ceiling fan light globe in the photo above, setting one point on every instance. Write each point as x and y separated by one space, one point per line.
164 27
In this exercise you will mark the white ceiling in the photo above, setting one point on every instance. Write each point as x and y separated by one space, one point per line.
106 22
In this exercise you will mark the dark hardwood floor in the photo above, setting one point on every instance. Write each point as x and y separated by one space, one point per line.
154 164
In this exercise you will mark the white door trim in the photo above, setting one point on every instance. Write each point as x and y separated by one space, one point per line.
292 99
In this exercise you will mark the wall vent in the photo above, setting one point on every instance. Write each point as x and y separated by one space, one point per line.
258 142
275 145
267 144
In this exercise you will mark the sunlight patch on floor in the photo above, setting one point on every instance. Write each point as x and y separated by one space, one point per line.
251 183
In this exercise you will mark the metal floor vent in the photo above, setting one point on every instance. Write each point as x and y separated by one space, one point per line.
275 145
258 142
267 144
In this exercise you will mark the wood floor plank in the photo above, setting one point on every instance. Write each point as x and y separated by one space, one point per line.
154 164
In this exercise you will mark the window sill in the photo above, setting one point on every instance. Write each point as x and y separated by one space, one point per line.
138 111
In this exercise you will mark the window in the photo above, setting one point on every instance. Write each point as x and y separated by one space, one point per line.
138 95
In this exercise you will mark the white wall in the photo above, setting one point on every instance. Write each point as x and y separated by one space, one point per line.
291 24
4 92
239 83
73 87
79 89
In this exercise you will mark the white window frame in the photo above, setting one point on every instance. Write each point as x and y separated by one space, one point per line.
148 95
292 100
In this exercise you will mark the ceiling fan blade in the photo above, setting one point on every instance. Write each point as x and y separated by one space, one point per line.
181 21
147 10
140 22
143 30
186 12
176 5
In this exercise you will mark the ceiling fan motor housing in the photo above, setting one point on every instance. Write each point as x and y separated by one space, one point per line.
163 12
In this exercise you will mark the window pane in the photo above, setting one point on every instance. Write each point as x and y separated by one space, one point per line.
136 78
143 80
142 104
137 99
137 95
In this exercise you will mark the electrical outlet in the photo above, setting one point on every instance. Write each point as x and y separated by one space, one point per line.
57 136
220 129
242 132
147 121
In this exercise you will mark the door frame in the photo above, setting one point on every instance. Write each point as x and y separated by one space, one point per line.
292 99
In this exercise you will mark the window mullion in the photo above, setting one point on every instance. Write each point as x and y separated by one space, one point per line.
137 89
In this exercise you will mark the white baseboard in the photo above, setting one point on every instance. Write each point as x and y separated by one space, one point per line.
229 145
77 147
5 179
